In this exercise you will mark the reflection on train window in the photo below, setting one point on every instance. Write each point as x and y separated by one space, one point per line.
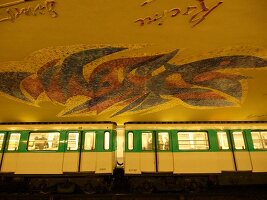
2 135
222 139
13 142
259 139
193 140
73 141
163 141
238 140
44 141
106 140
147 141
130 141
89 142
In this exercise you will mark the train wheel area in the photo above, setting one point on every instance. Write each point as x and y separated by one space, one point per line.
257 192
90 186
55 185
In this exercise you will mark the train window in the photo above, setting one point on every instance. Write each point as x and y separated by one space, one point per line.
222 140
130 140
13 142
238 140
2 135
147 141
259 139
193 140
163 141
264 138
73 141
89 142
106 140
44 141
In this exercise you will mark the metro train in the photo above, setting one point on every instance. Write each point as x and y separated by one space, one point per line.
157 156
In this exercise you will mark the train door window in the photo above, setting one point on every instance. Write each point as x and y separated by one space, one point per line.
13 141
146 141
239 140
193 140
222 140
130 140
44 141
264 139
73 140
259 139
106 140
163 141
89 142
2 135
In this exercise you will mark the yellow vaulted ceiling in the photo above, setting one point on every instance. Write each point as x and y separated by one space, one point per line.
33 43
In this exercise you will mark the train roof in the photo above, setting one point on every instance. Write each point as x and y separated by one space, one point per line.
196 125
58 126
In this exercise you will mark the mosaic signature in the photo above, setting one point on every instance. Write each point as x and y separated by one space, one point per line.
46 7
198 13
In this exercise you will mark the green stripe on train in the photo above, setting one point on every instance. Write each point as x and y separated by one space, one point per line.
174 147
23 146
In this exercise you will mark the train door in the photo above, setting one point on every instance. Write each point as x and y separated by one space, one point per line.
132 152
257 140
2 146
240 151
226 156
72 152
148 155
164 152
156 154
88 153
80 154
9 161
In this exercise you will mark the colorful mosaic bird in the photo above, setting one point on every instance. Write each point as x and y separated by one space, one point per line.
133 83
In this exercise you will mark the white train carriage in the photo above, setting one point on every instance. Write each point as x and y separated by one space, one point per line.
57 148
195 148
